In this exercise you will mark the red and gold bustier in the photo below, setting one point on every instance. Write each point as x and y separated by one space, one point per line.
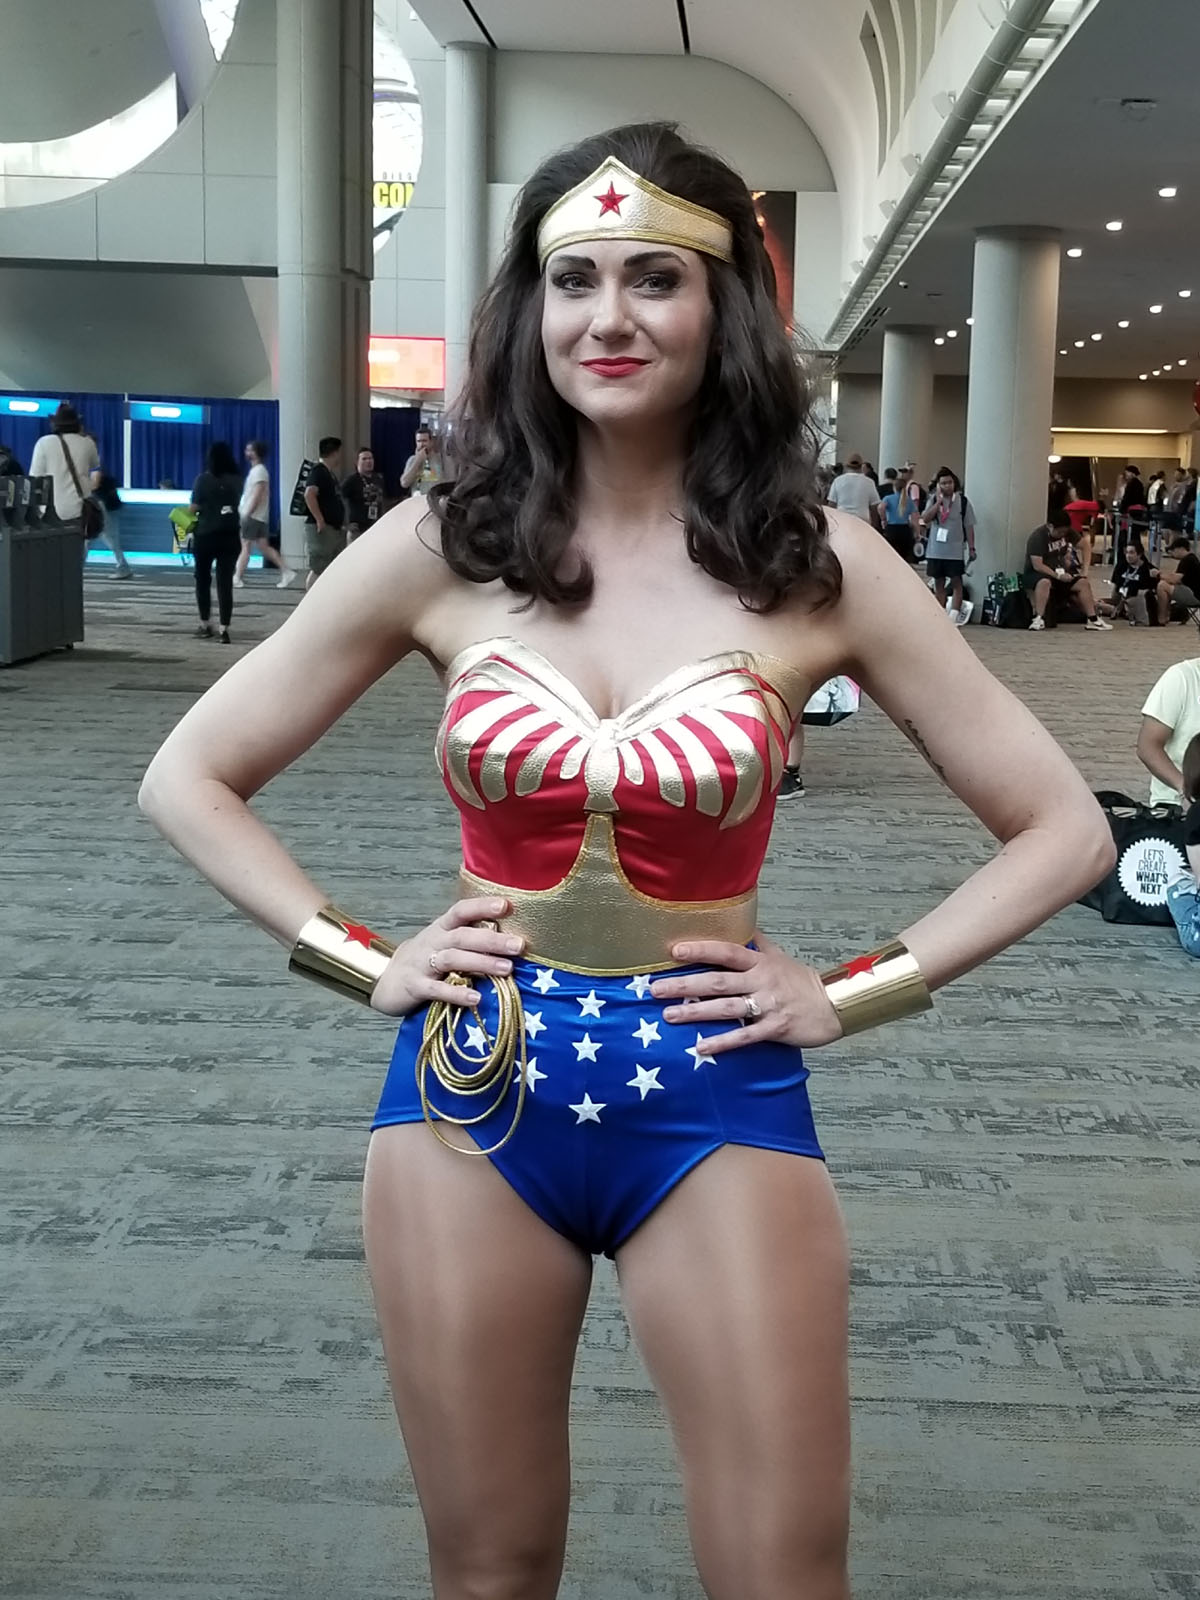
614 837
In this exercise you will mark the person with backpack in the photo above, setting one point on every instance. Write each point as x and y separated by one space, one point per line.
217 536
951 524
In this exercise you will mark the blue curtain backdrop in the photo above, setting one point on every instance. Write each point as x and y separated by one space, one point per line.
102 414
176 450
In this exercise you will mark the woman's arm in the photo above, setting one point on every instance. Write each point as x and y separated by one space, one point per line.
986 746
276 702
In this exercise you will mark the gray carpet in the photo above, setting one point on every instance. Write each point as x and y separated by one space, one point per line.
192 1398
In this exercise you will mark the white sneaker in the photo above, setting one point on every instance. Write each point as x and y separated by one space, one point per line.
964 616
239 583
953 615
1038 625
288 578
1097 625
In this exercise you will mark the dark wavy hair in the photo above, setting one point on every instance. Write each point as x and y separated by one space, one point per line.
752 515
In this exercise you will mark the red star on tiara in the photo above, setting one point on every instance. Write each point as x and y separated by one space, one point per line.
861 965
356 933
611 201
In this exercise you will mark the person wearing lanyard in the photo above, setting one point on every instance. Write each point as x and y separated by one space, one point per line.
952 521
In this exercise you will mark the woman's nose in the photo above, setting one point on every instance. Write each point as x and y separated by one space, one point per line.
610 314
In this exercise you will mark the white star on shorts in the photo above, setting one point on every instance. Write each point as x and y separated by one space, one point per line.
646 1032
532 1076
476 1038
585 1049
534 1024
645 1080
589 1006
587 1110
640 985
699 1059
545 980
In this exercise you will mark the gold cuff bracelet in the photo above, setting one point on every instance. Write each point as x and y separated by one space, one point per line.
880 987
341 954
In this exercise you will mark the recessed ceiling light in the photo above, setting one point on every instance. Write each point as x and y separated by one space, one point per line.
970 322
1168 193
1154 310
1124 324
1142 376
1097 337
1185 294
952 333
1079 344
1075 252
1114 227
1182 362
1158 372
1166 366
1062 352
939 340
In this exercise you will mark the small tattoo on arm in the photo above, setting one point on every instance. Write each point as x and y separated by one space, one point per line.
914 734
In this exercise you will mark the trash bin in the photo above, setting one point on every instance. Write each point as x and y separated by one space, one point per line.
41 591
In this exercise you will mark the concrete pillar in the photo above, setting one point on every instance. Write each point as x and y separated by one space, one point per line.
1011 390
325 91
467 89
906 400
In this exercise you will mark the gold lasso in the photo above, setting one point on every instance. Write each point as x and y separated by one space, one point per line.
439 1047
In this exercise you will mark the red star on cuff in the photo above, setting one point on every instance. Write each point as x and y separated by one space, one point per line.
356 933
611 201
861 965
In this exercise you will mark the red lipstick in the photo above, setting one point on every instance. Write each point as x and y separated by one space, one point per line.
615 366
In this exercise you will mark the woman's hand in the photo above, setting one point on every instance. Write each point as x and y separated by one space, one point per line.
454 943
790 996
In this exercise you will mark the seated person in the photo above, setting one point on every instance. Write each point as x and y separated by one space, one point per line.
1170 721
1181 587
1052 574
1132 576
1183 896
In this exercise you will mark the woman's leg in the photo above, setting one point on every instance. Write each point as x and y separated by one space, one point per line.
737 1289
795 754
227 555
203 553
269 553
480 1304
112 538
243 560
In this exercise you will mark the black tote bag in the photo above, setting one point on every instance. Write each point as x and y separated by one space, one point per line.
1150 853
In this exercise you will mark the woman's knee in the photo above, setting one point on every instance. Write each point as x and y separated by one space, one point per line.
483 1566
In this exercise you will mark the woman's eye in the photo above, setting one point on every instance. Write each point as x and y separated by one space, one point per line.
659 282
569 281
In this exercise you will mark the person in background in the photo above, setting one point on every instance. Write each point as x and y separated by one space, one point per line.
217 536
69 456
425 466
254 518
1051 572
897 510
1133 498
1057 494
106 492
1133 576
1082 514
363 494
1183 895
951 541
871 473
854 492
10 467
324 534
1181 587
1170 721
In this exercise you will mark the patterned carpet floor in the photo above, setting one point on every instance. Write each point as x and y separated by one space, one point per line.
192 1398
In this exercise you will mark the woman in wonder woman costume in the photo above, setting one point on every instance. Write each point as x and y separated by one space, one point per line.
628 590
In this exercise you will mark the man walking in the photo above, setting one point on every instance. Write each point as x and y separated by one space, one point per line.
324 537
854 492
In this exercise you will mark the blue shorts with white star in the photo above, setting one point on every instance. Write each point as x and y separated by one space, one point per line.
621 1104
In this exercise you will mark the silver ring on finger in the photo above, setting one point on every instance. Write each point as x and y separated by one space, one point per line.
753 1010
434 962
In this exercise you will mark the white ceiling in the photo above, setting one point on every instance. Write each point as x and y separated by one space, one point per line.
1069 157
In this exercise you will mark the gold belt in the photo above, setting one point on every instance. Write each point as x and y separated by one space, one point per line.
595 921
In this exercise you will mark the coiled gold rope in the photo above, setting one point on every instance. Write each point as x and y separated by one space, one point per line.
440 1051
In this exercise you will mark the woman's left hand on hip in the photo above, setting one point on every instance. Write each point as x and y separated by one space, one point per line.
774 996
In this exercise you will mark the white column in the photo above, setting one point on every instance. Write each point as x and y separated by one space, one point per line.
324 88
1011 392
466 199
906 399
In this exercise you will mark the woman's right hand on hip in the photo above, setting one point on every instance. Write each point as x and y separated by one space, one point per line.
457 942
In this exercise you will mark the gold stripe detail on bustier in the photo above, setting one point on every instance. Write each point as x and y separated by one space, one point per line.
595 921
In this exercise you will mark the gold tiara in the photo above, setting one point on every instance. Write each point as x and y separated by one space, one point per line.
614 203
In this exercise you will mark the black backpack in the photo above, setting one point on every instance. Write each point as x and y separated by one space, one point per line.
1016 610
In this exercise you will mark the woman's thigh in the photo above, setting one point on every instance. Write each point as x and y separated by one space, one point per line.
480 1305
737 1289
